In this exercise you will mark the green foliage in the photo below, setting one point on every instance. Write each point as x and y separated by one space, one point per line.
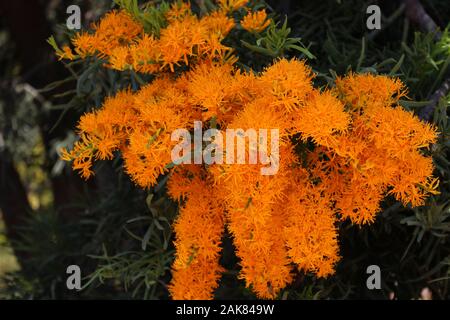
151 17
137 270
427 62
435 219
275 42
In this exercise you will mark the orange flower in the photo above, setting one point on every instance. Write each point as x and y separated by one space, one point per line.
146 55
85 44
66 53
289 81
178 10
196 269
367 91
120 58
218 22
310 233
119 38
214 97
178 40
115 29
255 21
232 5
321 118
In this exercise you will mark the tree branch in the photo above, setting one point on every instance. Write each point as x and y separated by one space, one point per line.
416 13
427 112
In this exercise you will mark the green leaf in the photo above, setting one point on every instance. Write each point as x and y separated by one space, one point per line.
413 104
397 65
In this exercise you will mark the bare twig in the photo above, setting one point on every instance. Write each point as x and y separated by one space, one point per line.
417 14
427 112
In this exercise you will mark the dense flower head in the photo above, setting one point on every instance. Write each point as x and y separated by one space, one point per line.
255 21
338 152
367 91
232 5
196 270
310 231
120 39
115 29
145 55
322 118
289 81
178 10
214 98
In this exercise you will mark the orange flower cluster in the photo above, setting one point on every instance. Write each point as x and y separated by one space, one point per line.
358 146
199 231
120 39
255 21
232 5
